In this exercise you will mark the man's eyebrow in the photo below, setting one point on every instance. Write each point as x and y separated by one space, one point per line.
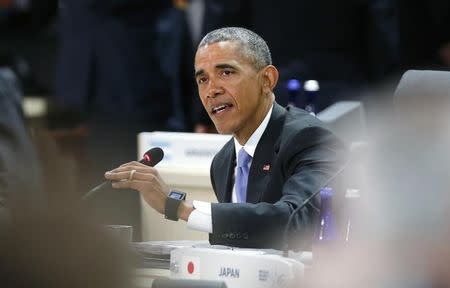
223 66
218 66
199 72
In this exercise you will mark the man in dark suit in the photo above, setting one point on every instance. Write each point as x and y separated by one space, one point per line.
120 62
277 158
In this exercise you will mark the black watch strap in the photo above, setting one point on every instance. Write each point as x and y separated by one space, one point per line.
173 201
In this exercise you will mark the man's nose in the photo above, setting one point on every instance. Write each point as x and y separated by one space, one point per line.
214 90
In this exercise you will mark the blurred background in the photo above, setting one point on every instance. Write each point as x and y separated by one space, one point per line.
85 76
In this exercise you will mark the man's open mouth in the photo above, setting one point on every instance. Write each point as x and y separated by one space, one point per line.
220 108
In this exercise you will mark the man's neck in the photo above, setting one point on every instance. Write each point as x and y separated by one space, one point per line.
243 136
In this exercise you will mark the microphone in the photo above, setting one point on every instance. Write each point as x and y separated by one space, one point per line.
150 158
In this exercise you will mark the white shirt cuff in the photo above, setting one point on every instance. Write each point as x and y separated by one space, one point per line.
200 219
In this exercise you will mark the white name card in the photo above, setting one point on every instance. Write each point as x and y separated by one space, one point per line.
192 150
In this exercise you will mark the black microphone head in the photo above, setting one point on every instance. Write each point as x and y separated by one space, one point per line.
152 156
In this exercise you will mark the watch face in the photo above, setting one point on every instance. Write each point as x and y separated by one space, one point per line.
176 195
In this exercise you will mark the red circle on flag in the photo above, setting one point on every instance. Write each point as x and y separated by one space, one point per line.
190 267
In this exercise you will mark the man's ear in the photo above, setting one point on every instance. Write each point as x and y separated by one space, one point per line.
270 78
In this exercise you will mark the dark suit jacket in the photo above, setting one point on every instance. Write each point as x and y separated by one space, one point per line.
302 155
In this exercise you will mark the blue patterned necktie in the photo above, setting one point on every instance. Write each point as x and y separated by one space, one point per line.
242 170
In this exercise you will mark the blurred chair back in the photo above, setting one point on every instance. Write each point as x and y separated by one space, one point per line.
347 119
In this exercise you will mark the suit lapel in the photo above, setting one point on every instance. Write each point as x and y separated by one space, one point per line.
225 184
265 152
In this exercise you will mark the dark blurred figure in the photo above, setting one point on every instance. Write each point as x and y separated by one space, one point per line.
122 70
121 61
20 175
61 249
28 42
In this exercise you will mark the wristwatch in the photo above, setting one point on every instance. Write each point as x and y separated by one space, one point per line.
173 201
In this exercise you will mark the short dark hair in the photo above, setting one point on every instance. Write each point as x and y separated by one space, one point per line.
254 47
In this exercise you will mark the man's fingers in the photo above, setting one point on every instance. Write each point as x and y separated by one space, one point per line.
125 176
132 163
118 176
139 168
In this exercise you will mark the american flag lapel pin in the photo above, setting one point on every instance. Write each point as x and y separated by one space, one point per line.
266 167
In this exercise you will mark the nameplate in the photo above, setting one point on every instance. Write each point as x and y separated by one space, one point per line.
193 150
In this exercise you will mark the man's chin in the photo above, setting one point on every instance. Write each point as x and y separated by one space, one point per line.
224 130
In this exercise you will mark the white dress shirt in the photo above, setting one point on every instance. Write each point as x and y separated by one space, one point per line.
200 219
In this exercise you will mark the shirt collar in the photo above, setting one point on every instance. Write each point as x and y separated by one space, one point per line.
253 141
